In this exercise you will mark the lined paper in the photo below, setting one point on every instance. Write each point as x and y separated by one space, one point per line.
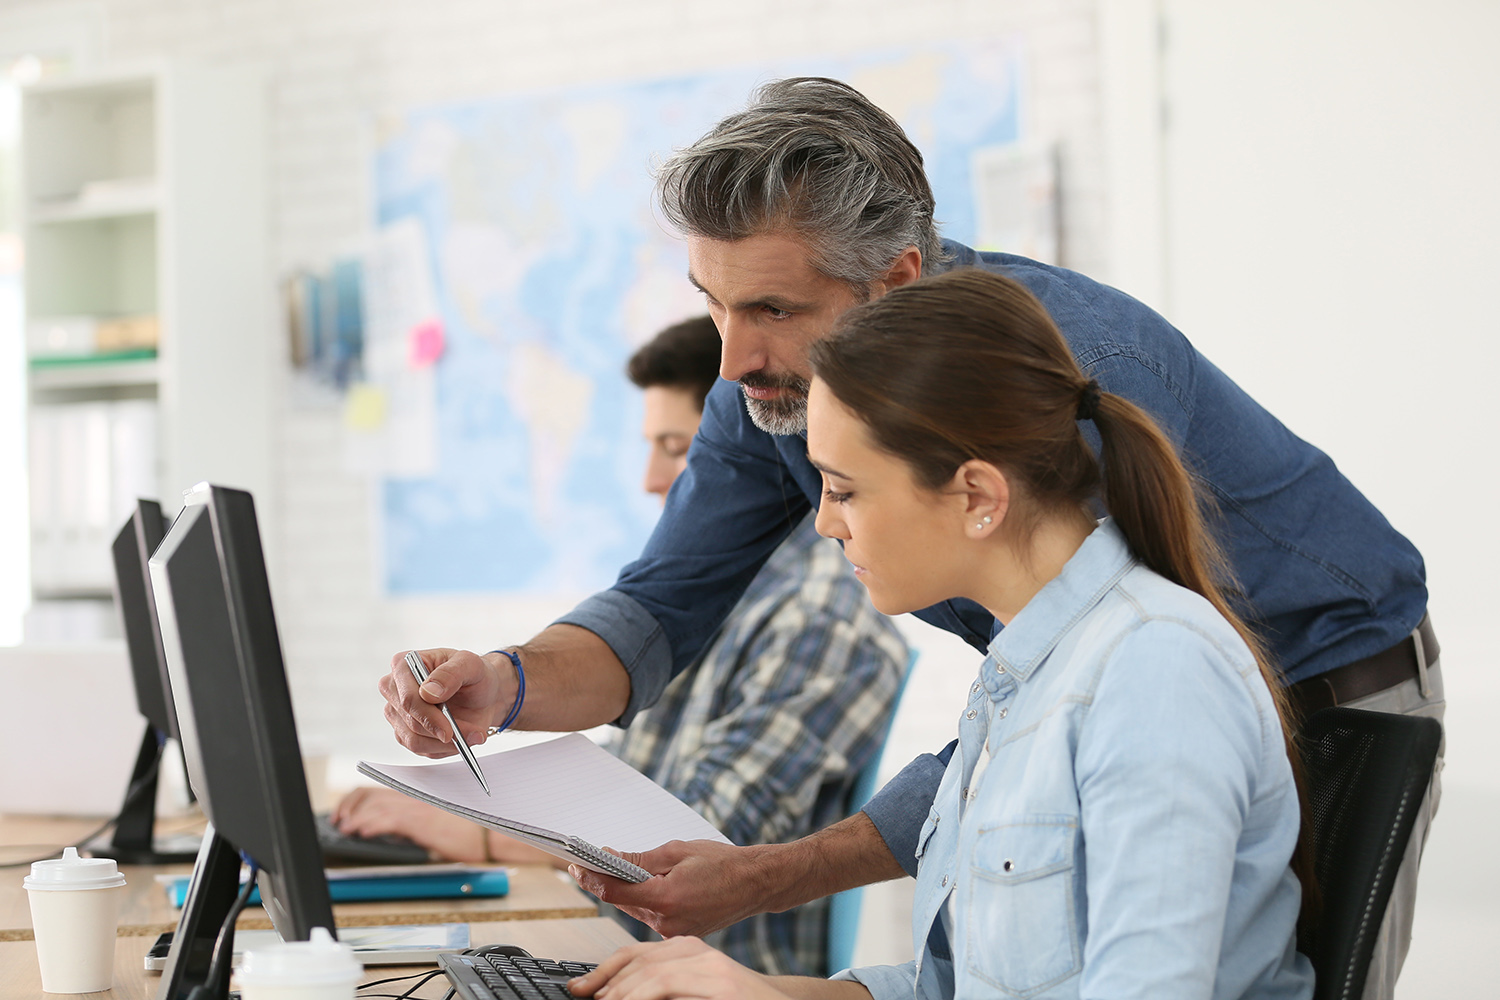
567 787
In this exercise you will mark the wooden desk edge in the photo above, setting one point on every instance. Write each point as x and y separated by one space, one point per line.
588 939
257 920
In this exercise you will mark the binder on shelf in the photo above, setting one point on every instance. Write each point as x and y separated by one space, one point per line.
89 463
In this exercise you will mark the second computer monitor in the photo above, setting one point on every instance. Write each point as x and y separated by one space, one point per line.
132 547
234 710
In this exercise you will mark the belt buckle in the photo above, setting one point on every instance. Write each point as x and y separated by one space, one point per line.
1420 648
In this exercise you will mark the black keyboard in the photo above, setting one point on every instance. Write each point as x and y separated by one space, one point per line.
341 847
503 977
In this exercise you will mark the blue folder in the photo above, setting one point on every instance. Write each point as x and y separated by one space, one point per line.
442 884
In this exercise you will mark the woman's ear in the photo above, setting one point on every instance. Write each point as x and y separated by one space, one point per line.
982 497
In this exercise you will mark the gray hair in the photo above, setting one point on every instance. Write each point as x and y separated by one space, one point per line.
816 157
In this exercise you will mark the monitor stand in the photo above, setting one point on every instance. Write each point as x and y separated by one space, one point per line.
210 897
133 842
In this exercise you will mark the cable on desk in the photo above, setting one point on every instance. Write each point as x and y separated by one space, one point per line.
401 979
425 977
216 983
130 795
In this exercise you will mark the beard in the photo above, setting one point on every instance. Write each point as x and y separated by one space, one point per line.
786 414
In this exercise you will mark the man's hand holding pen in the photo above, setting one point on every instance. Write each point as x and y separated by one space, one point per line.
477 690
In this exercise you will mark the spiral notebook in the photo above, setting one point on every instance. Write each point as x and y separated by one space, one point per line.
567 796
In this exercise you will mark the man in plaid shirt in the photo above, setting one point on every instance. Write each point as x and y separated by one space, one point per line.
766 732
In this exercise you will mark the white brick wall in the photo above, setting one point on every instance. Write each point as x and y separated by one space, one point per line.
334 64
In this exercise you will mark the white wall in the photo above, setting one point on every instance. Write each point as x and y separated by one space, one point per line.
1331 238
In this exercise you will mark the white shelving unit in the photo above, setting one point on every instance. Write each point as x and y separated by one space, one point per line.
143 193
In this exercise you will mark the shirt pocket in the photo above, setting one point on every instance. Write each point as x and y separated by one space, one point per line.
1020 927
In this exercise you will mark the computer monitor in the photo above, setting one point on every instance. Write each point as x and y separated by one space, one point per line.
234 713
133 841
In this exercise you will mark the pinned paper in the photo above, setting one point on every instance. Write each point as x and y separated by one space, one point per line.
425 343
364 407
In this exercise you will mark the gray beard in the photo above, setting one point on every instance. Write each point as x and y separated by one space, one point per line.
787 415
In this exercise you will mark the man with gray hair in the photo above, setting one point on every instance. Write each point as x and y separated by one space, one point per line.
806 203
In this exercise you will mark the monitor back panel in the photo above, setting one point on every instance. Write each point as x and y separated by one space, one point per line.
131 551
234 708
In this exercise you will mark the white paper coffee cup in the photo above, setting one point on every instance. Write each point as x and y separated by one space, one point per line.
317 969
75 908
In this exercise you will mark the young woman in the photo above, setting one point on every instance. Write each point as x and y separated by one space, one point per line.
1121 816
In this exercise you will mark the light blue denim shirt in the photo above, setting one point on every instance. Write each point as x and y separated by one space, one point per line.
1131 833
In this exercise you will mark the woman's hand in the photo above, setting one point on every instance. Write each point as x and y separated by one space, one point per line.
676 967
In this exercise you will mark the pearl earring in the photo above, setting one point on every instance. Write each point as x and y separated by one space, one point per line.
987 519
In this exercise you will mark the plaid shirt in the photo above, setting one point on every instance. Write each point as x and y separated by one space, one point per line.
766 732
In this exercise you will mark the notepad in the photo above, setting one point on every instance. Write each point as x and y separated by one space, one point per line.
566 796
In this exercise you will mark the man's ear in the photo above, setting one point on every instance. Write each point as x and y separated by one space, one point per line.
906 269
982 497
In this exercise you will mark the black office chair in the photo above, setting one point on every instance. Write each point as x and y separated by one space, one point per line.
1367 773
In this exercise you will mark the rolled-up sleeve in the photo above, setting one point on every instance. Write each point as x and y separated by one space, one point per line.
636 637
899 809
885 982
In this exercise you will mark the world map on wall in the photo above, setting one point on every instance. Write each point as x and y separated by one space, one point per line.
518 262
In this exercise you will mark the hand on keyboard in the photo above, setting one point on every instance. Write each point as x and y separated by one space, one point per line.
382 850
682 966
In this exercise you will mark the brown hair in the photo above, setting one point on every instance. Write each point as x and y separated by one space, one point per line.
969 365
683 356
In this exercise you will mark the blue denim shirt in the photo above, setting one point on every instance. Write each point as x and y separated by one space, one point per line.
1324 575
1131 833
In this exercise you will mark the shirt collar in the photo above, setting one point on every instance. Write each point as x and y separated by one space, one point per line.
1100 562
958 256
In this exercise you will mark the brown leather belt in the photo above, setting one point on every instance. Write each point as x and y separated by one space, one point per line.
1385 669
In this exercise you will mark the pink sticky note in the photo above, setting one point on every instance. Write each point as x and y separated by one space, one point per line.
426 343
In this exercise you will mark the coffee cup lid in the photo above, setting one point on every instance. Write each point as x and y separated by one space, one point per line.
72 872
318 960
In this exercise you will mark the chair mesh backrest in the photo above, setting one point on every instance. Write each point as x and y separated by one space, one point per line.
1367 773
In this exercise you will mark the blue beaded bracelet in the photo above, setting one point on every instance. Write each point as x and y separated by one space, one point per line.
515 709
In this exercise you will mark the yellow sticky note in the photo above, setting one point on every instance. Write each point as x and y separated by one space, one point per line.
364 407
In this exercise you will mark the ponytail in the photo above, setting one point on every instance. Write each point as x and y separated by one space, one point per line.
969 365
1158 509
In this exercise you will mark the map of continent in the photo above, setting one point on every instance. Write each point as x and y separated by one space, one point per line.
527 228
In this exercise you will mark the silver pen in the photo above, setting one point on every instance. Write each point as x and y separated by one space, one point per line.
419 671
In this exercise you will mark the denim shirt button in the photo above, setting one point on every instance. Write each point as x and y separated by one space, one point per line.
1009 865
999 668
1004 711
975 688
945 881
970 714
